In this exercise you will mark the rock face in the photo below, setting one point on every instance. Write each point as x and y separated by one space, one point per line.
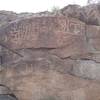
89 14
87 69
43 32
38 84
50 56
6 17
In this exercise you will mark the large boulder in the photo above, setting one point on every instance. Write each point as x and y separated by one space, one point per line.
39 51
63 36
27 84
89 14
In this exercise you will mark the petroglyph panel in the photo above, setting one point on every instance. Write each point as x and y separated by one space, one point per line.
76 27
50 32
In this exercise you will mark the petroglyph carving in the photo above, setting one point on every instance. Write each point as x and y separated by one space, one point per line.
42 32
75 28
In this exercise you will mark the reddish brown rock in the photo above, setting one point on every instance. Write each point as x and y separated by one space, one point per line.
38 52
65 35
47 32
28 84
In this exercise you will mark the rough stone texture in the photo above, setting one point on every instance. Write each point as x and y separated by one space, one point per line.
87 69
64 36
89 14
93 35
28 84
6 17
50 55
43 32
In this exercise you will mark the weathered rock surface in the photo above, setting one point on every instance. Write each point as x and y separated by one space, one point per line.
87 69
61 35
43 32
50 55
6 17
28 84
89 14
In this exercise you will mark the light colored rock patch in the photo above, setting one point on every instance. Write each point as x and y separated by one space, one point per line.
87 69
